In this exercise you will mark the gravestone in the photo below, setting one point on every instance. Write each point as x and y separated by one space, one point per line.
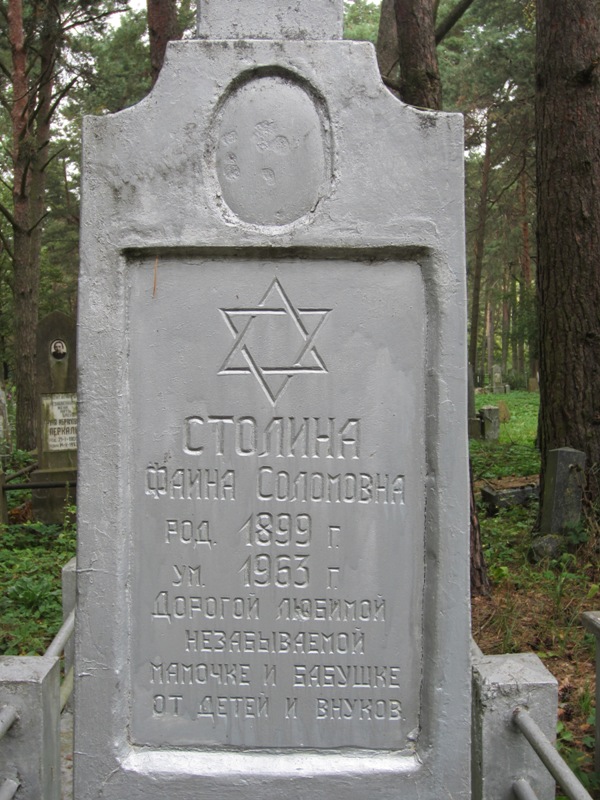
563 490
497 383
490 422
57 416
273 497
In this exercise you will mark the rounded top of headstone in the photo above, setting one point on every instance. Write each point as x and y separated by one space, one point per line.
270 19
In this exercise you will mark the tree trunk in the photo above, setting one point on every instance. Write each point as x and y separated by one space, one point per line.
480 584
490 336
387 45
514 327
163 27
420 83
24 283
505 318
479 247
525 254
454 15
568 207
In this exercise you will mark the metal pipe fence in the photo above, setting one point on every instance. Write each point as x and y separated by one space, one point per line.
8 716
523 791
549 756
58 644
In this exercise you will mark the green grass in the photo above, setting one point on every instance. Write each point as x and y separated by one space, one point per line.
514 453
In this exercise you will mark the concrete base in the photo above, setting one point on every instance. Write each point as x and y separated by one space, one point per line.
49 504
30 751
501 755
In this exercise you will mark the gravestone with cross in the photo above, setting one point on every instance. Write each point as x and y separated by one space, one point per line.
273 505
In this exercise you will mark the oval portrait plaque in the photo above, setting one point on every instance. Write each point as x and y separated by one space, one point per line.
272 156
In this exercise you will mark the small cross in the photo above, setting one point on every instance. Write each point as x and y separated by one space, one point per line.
270 19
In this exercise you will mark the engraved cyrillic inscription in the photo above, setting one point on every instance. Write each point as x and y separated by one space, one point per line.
280 437
278 555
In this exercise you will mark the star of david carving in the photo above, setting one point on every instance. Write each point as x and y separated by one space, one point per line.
274 341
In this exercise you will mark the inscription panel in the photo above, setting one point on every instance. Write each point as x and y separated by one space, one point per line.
277 526
59 415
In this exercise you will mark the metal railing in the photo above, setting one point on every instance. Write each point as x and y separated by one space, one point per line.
8 716
56 648
554 763
523 791
7 484
8 789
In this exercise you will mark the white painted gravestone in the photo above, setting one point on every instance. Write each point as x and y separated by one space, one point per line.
273 568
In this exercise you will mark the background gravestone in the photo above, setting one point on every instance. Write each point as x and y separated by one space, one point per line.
563 490
57 416
273 497
498 387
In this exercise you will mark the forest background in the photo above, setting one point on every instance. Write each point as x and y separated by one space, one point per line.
94 58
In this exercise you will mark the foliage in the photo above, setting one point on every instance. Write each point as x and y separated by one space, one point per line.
487 68
31 558
537 605
361 20
116 68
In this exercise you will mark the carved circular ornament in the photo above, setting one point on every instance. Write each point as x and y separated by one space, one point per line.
272 152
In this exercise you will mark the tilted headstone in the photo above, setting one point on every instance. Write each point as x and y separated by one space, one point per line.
490 422
563 490
57 416
273 497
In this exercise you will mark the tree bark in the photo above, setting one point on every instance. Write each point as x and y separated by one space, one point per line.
387 46
163 27
420 83
490 329
24 282
449 21
387 38
505 318
479 247
514 328
568 231
480 583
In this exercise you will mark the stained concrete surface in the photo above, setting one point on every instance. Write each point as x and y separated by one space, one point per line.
66 755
